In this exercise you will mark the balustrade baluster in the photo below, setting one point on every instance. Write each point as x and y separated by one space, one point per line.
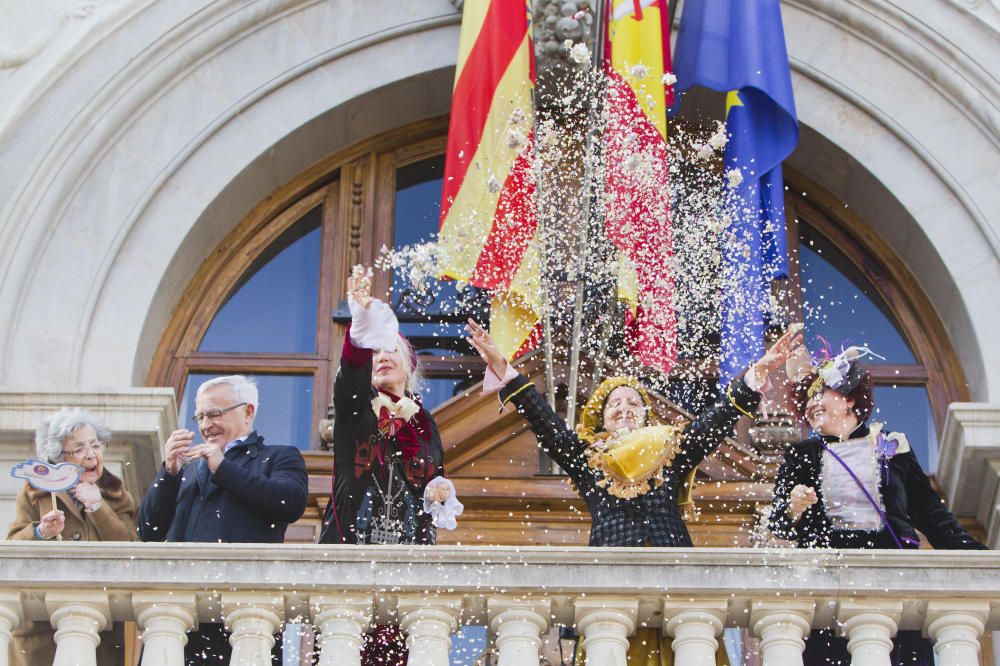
164 620
253 619
869 627
605 625
428 623
694 626
956 628
78 618
782 627
11 617
518 625
342 621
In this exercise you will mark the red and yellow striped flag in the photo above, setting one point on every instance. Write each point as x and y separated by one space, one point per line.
637 61
488 221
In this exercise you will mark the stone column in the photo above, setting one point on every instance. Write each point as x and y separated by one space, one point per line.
956 627
78 618
164 620
605 625
518 625
11 617
694 626
782 627
342 621
254 619
428 623
869 626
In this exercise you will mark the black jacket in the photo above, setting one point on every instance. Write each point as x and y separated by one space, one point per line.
910 505
252 497
361 455
649 519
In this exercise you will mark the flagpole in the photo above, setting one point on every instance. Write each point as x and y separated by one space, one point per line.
588 216
548 352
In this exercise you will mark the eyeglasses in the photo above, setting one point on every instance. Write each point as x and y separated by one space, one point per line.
96 447
214 414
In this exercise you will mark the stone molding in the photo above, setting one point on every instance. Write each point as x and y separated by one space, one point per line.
969 464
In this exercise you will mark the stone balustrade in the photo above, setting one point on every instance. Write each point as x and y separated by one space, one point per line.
519 593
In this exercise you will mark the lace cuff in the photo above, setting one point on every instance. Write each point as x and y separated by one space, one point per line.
374 327
492 382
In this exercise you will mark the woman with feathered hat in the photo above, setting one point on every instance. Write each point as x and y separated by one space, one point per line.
854 484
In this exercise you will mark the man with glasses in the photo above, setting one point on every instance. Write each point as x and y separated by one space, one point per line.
232 488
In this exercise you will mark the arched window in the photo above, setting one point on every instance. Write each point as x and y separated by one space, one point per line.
269 301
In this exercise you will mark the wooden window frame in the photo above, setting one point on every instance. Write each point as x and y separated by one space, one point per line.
356 188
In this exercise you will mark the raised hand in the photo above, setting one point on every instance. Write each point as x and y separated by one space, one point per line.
86 493
359 286
175 451
784 347
482 342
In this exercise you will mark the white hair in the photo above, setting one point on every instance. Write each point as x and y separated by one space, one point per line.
244 388
56 428
410 370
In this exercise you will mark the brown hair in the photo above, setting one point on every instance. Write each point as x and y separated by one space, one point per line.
862 393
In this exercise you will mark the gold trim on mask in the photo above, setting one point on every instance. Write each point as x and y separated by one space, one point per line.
629 461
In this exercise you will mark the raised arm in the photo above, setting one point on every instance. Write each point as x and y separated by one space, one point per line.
373 326
550 429
741 397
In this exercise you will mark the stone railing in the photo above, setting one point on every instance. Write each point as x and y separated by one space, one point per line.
519 593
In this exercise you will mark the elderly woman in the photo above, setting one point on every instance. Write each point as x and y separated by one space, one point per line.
98 508
388 473
855 485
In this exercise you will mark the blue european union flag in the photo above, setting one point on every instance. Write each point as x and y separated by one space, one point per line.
738 47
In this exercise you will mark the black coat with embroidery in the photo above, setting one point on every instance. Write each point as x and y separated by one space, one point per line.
361 453
909 500
649 519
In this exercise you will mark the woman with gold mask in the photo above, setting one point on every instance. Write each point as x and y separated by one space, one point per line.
629 469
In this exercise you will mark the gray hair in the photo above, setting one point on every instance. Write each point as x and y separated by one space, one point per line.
244 388
56 428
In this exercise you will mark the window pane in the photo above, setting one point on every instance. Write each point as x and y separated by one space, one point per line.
842 306
907 409
418 209
273 309
285 414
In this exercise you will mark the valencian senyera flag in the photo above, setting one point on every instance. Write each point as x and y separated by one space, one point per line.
637 63
488 220
738 47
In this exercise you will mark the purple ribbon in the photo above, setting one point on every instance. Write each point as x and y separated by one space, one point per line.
871 499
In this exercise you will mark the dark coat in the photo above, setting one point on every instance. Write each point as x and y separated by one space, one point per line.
910 505
361 453
252 497
649 519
